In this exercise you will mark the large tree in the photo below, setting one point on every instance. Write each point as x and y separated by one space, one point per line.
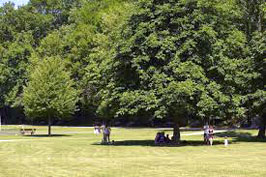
256 99
87 46
50 92
253 23
180 58
21 30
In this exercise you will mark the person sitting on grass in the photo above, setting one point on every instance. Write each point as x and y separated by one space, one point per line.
162 138
157 137
167 139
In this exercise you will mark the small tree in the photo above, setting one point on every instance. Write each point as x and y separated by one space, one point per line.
50 92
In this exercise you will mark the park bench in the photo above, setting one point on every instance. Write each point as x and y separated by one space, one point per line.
27 130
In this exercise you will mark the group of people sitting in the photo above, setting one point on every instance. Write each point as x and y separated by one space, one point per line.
208 134
162 139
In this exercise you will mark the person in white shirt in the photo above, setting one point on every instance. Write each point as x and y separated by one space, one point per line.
97 130
225 141
206 133
210 135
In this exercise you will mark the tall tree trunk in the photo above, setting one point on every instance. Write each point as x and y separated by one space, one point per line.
262 129
261 133
176 133
0 118
3 113
49 126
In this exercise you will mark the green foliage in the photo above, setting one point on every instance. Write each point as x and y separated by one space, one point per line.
14 60
169 58
178 58
59 10
257 94
97 37
50 91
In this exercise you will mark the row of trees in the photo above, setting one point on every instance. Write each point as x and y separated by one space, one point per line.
178 59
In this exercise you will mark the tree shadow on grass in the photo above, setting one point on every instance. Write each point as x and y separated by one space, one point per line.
45 135
240 136
151 143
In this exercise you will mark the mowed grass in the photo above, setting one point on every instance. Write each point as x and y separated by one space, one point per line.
76 152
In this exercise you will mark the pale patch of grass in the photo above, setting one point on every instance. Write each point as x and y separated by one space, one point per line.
76 153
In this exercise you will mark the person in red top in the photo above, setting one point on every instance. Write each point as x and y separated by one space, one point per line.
210 135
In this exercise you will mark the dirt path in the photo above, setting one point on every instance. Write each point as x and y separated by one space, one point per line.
6 140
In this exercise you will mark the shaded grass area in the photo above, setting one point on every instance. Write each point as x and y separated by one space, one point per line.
45 135
151 143
77 153
241 136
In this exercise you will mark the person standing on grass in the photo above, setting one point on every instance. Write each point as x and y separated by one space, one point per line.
211 134
225 141
106 134
206 133
97 130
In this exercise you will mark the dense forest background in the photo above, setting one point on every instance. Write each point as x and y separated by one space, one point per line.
133 62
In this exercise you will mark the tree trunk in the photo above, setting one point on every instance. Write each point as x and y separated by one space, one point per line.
3 113
262 129
261 133
49 126
176 133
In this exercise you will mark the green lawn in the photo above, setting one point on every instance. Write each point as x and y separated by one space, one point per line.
77 153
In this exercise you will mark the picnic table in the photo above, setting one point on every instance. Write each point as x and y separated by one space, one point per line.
24 131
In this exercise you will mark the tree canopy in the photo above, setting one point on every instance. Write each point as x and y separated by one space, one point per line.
183 60
177 58
50 92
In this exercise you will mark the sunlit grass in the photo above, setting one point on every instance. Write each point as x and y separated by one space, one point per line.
76 152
